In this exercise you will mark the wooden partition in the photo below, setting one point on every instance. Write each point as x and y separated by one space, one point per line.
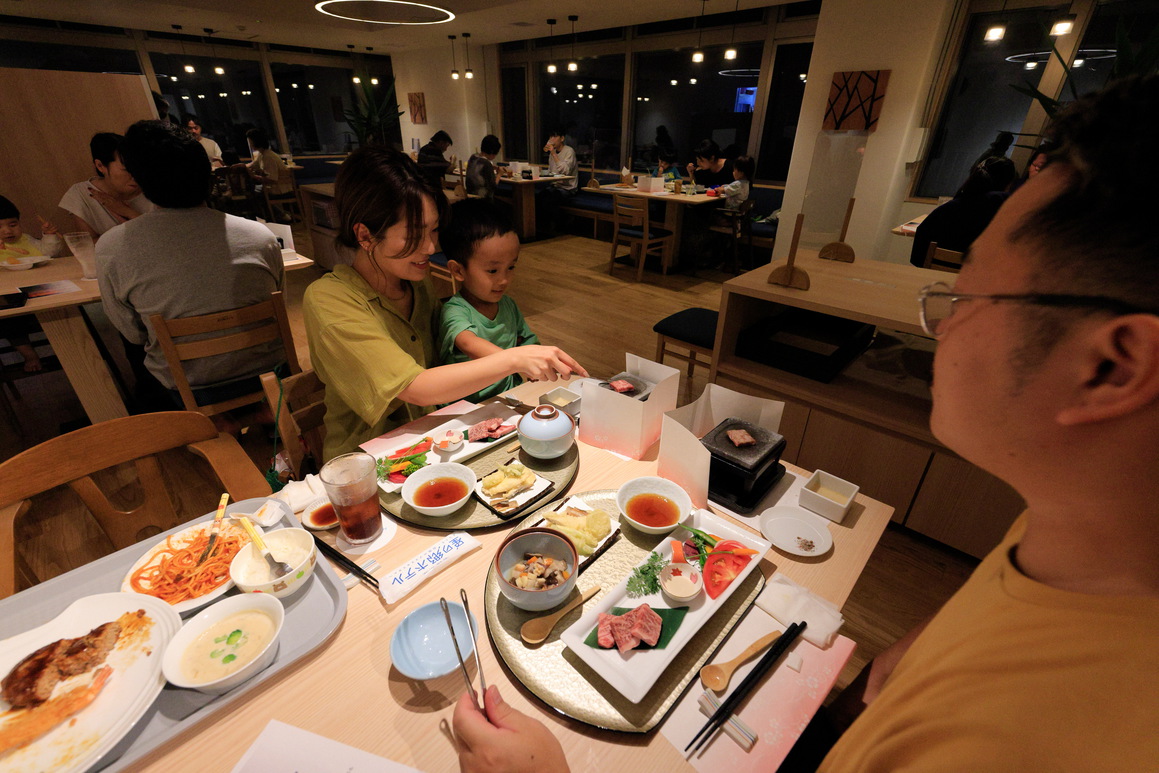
45 127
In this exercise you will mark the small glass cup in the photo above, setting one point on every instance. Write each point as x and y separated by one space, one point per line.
351 483
81 245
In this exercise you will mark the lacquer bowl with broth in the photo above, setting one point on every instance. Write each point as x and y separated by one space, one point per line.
653 505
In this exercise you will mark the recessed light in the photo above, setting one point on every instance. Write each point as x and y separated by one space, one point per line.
373 82
173 78
356 79
673 81
219 70
189 68
995 33
692 81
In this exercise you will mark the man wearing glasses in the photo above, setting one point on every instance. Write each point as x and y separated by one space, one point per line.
1047 376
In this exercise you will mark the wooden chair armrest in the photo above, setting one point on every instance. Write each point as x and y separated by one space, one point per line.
9 563
233 467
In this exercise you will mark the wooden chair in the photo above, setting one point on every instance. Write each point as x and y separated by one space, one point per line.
218 334
632 227
738 225
74 457
943 260
237 193
692 329
440 270
300 417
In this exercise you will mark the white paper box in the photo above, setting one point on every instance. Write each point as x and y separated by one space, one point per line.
624 424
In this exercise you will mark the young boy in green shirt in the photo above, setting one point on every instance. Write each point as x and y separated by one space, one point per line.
481 248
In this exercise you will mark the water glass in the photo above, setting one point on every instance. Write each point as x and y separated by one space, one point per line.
81 245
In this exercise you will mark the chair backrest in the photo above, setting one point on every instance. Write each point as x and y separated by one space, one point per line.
219 333
943 260
300 417
73 458
630 211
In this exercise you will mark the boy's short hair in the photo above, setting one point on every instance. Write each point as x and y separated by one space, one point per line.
708 150
490 144
8 210
668 156
557 132
472 221
170 166
258 137
745 164
442 136
189 118
104 147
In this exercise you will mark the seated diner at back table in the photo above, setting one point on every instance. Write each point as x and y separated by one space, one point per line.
371 325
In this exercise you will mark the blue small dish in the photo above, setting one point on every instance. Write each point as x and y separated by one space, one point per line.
421 647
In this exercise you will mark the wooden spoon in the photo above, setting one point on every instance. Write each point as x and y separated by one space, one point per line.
716 676
538 629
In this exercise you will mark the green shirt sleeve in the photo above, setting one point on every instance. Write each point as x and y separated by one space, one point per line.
456 317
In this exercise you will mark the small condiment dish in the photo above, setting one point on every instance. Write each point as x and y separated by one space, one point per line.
433 472
319 515
207 618
563 399
650 484
251 574
421 647
827 495
546 542
673 576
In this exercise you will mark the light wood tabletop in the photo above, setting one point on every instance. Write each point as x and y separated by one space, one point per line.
347 689
674 204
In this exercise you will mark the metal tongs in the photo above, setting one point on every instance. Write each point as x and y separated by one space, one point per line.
475 698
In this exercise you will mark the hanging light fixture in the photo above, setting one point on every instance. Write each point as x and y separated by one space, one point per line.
698 54
996 32
730 52
1063 26
454 64
551 46
188 68
571 65
468 73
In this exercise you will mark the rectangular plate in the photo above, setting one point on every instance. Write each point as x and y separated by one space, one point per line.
387 445
312 616
634 673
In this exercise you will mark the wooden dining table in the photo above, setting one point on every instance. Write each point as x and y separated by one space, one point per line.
70 334
523 201
674 204
347 689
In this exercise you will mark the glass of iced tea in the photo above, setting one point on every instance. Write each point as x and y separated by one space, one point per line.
351 482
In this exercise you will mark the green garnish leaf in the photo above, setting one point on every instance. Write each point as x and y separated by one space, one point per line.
234 637
228 659
220 639
216 653
645 579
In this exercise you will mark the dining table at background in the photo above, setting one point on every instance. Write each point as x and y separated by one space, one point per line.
72 336
674 204
348 691
523 200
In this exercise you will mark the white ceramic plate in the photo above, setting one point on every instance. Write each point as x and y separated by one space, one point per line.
792 529
383 447
136 662
633 673
184 537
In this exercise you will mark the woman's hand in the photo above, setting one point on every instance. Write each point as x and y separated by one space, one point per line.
503 740
115 206
543 363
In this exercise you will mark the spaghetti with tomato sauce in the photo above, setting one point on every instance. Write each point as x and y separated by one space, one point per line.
174 575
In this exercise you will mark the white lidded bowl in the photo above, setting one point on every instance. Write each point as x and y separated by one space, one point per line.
431 472
250 573
651 484
546 432
545 542
195 626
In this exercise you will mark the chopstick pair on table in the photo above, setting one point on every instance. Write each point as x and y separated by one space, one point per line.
763 666
339 558
477 699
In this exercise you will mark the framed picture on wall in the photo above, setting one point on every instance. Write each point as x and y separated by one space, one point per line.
418 107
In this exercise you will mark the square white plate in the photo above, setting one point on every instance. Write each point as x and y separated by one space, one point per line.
632 674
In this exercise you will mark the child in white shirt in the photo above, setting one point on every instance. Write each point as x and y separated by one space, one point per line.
737 191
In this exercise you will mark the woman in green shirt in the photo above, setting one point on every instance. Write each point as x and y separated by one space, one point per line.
370 325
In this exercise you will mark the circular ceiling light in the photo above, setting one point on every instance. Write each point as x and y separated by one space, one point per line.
740 73
402 12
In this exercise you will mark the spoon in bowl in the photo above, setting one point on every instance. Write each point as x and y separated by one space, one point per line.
277 568
537 629
716 675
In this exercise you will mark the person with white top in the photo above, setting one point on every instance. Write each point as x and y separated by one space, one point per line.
111 197
212 149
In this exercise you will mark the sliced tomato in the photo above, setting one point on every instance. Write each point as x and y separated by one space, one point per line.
721 569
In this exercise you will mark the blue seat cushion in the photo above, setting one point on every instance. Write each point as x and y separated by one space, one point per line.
638 233
696 326
595 202
764 230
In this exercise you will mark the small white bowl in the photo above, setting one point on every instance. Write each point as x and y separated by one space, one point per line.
833 507
563 399
650 484
421 647
248 567
691 572
195 626
545 542
310 521
433 471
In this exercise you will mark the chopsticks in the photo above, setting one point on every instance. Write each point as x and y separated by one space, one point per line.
763 666
458 652
337 557
474 637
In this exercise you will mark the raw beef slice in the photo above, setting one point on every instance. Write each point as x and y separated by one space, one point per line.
604 635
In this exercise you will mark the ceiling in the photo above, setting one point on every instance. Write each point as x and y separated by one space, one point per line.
295 22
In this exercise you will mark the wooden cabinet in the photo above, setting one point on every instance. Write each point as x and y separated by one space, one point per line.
869 433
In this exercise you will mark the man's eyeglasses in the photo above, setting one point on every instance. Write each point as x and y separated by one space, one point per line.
937 301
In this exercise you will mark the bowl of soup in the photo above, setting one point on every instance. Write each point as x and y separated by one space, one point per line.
225 644
252 574
439 489
537 568
653 505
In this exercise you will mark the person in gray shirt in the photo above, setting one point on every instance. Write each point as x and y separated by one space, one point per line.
183 260
481 168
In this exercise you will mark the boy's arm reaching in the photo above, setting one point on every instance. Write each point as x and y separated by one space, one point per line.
473 346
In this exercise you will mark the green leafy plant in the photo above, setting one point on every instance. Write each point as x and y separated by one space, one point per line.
371 116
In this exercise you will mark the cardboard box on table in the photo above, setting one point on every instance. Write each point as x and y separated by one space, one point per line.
683 458
625 425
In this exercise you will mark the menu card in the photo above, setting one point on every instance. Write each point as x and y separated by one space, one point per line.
284 747
623 424
683 458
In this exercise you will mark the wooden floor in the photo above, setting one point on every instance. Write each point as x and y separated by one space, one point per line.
569 299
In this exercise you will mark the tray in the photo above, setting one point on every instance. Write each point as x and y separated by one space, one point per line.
476 515
312 617
561 680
